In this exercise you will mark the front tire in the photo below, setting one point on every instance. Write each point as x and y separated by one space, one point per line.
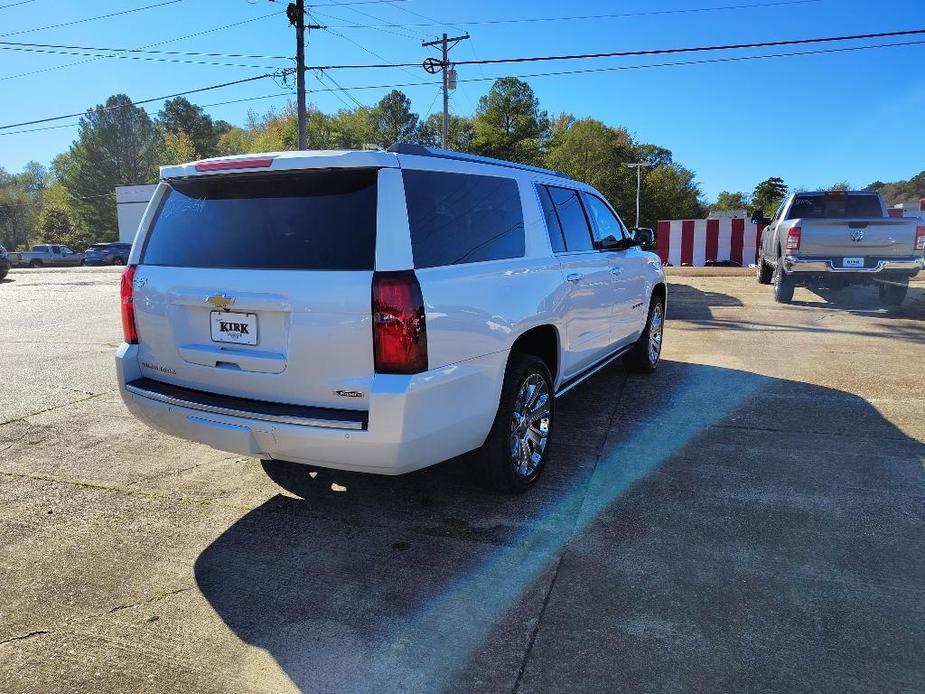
763 272
514 455
644 356
783 284
35 263
894 293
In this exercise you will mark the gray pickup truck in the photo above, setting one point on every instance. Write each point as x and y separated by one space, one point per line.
836 239
48 254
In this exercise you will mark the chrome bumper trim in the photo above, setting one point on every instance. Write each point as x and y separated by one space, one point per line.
792 264
230 412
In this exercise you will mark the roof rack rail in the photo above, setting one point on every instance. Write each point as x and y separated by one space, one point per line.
422 151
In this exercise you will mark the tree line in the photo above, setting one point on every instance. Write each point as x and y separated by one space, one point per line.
72 201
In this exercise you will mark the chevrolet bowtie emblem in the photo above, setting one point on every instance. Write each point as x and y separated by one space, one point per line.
220 300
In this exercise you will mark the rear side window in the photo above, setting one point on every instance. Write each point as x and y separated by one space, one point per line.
834 206
572 218
556 239
463 218
315 220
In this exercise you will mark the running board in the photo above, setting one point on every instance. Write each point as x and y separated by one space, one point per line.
591 370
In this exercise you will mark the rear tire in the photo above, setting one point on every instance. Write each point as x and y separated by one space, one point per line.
783 284
35 263
893 294
644 356
118 261
515 453
764 272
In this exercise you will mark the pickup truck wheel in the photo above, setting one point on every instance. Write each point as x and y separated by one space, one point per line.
763 272
644 356
35 263
783 284
894 293
514 454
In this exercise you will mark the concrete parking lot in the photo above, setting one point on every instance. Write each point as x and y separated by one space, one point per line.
750 518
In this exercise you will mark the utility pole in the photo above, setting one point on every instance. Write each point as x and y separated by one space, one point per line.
432 65
638 166
295 12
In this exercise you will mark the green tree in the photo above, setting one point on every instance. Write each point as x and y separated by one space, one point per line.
178 148
117 144
393 120
460 132
15 206
768 195
597 154
727 201
508 123
670 192
910 190
180 116
840 186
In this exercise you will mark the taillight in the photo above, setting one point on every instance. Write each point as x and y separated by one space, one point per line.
399 327
129 332
793 239
920 238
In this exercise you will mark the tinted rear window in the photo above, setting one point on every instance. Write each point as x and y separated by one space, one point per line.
834 206
318 220
461 218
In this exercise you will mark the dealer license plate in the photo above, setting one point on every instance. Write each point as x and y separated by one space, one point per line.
236 328
853 262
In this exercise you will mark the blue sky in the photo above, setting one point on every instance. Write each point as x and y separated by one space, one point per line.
813 120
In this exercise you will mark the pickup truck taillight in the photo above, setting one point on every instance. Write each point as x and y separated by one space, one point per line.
129 333
399 326
920 238
793 239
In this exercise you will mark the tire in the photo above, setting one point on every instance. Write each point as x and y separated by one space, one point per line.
893 294
515 453
783 284
645 354
118 261
763 272
35 263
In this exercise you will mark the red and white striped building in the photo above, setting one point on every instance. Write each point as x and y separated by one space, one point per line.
695 241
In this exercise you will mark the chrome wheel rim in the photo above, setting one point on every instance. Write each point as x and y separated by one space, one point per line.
530 425
655 334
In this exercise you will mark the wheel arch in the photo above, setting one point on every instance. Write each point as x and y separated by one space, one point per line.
541 341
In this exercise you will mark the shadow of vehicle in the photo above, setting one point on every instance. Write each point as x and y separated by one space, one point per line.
864 300
686 302
704 528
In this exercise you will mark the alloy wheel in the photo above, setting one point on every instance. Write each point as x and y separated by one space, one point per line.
530 426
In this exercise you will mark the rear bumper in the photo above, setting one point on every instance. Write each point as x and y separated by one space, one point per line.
910 265
413 421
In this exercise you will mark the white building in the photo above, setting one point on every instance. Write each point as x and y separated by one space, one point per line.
131 202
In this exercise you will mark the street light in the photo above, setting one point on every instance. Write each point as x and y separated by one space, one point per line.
638 166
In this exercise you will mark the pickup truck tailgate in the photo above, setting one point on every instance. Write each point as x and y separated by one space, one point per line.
888 238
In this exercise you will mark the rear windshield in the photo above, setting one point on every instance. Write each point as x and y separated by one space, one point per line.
834 206
318 220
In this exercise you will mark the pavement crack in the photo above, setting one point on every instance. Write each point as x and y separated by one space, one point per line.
23 637
52 408
536 627
160 595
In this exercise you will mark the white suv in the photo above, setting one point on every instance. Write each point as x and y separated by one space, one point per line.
379 311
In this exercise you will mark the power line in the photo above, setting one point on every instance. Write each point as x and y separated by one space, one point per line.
14 4
150 45
156 98
146 51
618 68
653 51
144 58
91 19
616 15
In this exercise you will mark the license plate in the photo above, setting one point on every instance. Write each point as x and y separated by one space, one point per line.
237 328
853 262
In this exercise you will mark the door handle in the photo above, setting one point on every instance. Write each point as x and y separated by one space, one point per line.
616 270
574 277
